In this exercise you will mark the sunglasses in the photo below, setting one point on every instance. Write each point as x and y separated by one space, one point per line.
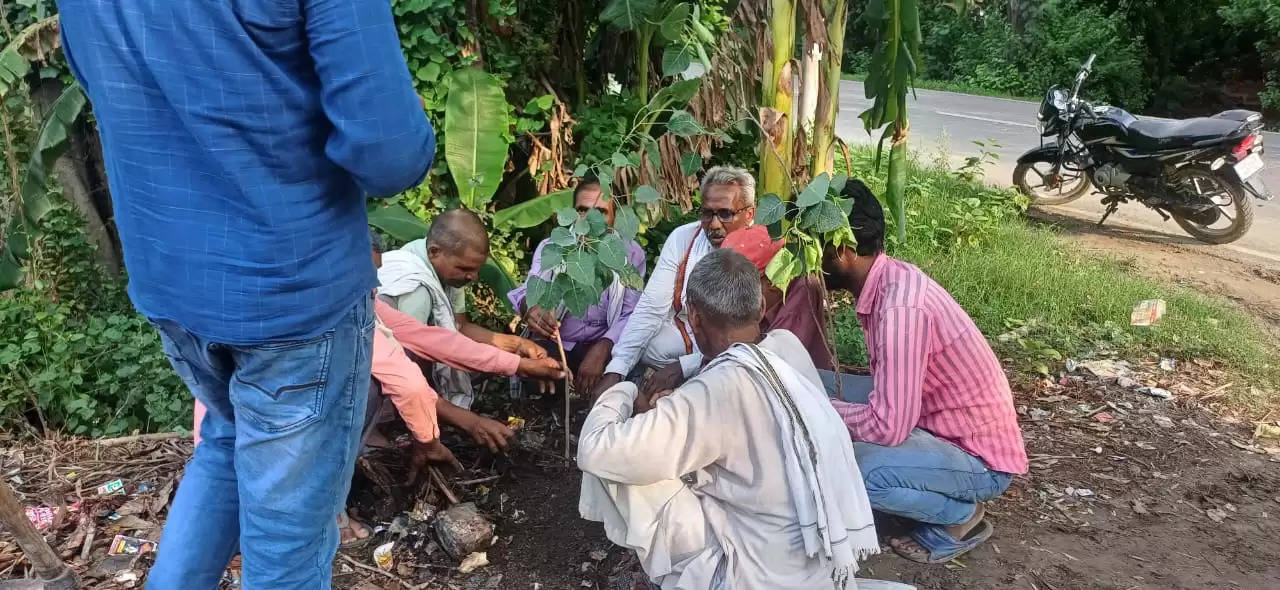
724 215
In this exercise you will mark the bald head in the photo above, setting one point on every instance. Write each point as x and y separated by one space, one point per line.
458 229
458 246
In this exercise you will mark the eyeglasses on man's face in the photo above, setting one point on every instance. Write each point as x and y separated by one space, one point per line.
724 215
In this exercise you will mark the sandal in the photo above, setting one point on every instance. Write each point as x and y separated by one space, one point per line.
345 524
941 546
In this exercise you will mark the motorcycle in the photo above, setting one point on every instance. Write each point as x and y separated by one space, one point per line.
1202 172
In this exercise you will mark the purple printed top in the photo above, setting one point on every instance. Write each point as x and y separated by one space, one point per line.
594 324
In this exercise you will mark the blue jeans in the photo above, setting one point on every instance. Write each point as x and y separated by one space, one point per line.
925 478
274 465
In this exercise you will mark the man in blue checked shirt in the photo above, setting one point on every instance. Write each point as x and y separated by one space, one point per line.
241 139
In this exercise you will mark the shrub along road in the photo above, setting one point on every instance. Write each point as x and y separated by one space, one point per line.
949 122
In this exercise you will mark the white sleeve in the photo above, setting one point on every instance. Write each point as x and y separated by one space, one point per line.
690 363
654 307
684 432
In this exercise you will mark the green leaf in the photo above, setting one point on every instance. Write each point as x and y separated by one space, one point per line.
502 283
599 225
538 104
838 181
626 223
770 209
612 252
581 170
580 265
627 14
675 95
824 217
676 60
782 269
535 290
579 297
646 194
396 221
631 278
582 227
552 256
619 160
566 216
534 211
815 192
672 27
475 129
683 124
690 164
561 236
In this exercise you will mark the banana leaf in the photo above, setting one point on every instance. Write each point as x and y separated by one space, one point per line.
34 204
534 211
398 222
499 280
475 122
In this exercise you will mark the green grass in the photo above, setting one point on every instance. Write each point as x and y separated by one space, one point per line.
951 87
1012 275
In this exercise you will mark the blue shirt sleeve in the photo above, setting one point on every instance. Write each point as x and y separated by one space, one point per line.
381 134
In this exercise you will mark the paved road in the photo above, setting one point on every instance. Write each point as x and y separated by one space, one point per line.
949 122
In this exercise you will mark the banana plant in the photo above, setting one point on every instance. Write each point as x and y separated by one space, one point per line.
31 188
894 64
675 24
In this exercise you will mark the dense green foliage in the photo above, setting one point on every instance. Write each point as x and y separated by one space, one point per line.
1178 57
74 354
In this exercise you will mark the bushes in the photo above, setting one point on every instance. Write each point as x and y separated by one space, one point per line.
984 51
74 355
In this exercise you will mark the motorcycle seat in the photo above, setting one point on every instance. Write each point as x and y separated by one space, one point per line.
1163 135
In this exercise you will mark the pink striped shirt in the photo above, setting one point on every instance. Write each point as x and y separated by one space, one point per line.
933 370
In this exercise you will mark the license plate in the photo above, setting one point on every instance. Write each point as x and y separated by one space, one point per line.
1249 166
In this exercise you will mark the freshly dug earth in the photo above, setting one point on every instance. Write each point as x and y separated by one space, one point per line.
1126 491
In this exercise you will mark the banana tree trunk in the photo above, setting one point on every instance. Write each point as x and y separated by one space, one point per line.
778 94
895 191
809 86
824 126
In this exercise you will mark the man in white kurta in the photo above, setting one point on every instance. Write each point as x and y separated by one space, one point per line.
742 478
658 332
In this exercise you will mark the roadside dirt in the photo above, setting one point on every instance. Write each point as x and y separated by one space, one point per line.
1254 283
1126 491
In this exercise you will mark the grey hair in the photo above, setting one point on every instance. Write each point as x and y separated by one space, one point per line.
731 176
725 287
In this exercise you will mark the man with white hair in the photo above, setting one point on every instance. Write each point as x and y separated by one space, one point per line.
743 477
658 331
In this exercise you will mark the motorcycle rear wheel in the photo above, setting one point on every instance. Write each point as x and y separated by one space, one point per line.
1232 196
1033 179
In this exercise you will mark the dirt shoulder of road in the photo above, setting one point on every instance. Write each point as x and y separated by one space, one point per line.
1252 283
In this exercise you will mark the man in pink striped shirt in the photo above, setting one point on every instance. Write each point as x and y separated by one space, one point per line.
937 435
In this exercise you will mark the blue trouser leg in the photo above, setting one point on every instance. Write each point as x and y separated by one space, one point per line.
927 479
285 421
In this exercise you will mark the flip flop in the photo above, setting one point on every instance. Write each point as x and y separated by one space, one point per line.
942 547
344 524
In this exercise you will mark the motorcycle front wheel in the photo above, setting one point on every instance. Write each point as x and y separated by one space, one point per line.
1232 215
1036 179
